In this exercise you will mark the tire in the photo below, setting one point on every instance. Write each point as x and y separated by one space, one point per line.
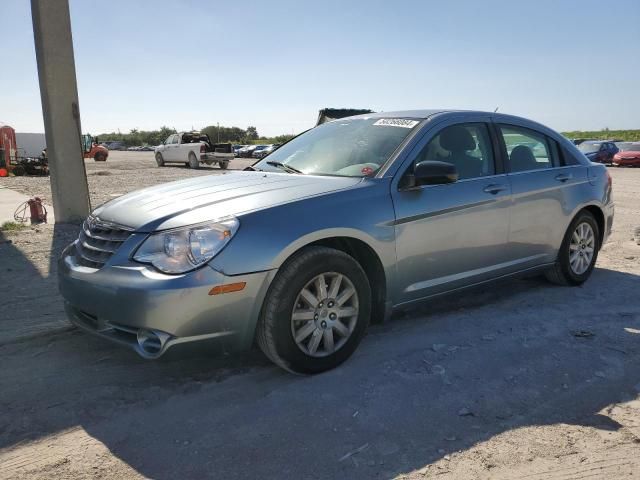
18 170
100 157
636 235
563 273
159 160
193 161
276 326
223 165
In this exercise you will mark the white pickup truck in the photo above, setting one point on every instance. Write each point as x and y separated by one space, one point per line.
192 149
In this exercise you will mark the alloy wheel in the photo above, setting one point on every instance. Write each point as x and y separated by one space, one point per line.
325 314
581 248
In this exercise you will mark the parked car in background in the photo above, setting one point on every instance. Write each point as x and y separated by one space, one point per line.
334 230
628 156
598 151
236 149
114 145
261 151
246 151
192 149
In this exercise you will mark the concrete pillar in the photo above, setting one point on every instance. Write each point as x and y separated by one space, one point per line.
59 94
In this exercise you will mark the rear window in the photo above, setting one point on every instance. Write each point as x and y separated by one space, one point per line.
589 147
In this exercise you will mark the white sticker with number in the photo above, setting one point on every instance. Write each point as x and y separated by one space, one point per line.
397 122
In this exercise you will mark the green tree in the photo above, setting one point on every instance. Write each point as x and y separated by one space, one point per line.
252 133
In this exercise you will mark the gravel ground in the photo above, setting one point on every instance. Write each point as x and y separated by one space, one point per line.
521 379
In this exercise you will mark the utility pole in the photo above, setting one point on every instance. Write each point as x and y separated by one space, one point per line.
60 110
218 130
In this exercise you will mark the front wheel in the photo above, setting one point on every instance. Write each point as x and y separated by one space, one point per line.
159 160
578 253
316 311
100 157
224 165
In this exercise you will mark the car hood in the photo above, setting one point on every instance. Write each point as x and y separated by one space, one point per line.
202 199
628 154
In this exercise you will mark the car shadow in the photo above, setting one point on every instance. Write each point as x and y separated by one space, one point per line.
439 379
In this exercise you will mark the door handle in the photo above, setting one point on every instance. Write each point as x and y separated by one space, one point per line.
563 177
494 188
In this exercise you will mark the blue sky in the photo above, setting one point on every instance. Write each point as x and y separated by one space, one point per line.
185 63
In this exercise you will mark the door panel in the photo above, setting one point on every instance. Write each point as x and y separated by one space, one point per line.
542 190
541 211
455 234
452 235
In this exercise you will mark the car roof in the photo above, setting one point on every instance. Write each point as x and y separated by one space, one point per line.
426 113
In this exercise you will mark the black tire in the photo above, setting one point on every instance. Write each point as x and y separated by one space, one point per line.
18 170
561 273
100 157
223 165
159 159
636 235
193 161
273 332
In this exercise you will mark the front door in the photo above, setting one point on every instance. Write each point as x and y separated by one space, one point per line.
452 235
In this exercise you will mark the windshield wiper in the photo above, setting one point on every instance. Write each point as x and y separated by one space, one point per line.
283 166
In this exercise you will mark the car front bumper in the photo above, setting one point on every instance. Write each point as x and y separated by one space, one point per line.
135 305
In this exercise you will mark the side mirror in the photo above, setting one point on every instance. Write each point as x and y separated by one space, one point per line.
431 172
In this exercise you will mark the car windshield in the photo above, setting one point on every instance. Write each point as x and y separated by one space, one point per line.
589 147
351 147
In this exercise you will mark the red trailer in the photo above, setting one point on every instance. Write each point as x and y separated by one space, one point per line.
8 149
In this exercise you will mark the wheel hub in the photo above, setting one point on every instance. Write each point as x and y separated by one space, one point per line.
324 315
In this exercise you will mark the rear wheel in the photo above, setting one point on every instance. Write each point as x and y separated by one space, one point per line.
316 311
578 253
100 157
159 160
224 165
193 161
18 170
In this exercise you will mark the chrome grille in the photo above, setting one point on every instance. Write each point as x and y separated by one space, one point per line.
98 241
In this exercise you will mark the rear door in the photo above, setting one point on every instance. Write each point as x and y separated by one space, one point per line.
544 188
454 234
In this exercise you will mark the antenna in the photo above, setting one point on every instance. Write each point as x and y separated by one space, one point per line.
496 109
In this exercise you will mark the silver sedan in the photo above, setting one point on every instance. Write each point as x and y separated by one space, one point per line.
337 228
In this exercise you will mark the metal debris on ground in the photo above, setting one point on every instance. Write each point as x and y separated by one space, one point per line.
582 333
353 452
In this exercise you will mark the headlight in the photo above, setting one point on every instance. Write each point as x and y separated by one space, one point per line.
179 251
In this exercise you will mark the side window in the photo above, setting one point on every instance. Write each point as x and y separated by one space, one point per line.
172 139
467 146
527 150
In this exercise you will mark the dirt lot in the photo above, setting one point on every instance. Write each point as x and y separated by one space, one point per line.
522 379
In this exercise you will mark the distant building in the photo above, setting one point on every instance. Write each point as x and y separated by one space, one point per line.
328 114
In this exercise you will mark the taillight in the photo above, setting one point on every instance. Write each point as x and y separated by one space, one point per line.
202 149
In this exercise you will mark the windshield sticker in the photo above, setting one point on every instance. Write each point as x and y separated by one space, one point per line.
397 122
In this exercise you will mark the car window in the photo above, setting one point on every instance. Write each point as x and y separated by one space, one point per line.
467 146
526 149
